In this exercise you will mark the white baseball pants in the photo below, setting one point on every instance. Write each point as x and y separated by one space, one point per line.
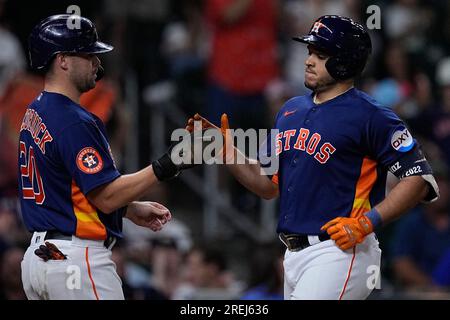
325 272
88 273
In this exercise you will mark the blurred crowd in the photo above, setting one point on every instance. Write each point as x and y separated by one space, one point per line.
235 56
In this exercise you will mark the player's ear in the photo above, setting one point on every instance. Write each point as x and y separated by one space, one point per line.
62 61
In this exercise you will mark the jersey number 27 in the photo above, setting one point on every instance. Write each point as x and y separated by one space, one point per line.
30 173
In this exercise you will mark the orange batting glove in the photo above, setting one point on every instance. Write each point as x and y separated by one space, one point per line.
348 232
224 129
206 124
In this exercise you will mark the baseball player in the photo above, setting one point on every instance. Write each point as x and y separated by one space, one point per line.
72 197
335 147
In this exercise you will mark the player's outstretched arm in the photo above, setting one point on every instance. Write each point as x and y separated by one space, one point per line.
127 188
123 190
249 175
248 171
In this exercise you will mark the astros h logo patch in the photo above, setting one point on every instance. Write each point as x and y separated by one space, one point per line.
89 160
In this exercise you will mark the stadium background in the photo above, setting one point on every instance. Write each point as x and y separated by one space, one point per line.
222 242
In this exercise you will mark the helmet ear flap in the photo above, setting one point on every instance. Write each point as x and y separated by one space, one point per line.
337 68
345 66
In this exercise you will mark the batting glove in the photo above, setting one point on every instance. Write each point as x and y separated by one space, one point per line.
49 252
228 152
348 232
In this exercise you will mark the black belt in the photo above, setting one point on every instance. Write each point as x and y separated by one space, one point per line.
57 235
297 242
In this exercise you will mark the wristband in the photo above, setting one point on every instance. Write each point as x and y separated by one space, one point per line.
375 218
164 168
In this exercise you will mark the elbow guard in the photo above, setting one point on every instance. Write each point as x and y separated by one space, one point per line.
414 163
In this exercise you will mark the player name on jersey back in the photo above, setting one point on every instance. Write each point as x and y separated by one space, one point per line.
32 122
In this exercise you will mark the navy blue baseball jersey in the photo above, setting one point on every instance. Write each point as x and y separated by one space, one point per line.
64 154
334 157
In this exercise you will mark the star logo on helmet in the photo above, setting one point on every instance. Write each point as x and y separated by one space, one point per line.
317 25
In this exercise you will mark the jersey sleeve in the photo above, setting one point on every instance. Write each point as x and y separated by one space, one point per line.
388 138
85 153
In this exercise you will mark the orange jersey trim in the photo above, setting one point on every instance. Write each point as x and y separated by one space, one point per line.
89 225
366 180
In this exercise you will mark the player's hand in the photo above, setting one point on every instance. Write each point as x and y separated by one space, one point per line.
348 232
228 151
148 214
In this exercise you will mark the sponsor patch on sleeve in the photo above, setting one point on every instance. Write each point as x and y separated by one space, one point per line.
89 161
402 139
